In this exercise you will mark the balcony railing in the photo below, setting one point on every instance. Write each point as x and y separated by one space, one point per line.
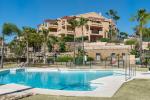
96 24
94 32
52 33
53 25
70 32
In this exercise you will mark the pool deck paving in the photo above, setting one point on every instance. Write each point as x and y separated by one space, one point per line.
12 88
106 86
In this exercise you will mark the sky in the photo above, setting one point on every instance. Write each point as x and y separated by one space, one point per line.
33 12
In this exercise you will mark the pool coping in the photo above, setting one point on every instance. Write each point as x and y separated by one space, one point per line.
104 89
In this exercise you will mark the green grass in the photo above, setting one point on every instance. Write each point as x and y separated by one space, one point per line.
138 89
142 69
10 65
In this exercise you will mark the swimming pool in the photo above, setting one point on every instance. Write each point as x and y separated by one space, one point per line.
57 80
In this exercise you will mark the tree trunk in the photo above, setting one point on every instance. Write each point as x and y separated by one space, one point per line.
2 52
141 47
33 55
18 61
44 53
74 48
83 44
110 34
27 53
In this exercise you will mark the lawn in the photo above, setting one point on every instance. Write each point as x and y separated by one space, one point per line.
138 89
10 65
142 69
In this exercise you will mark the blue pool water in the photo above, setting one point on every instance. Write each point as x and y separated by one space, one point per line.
58 80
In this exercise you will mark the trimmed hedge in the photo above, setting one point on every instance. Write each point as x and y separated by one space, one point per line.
64 59
105 40
79 60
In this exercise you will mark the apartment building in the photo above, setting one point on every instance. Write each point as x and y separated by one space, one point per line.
97 26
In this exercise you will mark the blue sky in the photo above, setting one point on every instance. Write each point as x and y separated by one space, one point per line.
33 12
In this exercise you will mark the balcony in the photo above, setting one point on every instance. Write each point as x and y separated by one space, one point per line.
94 31
53 33
70 32
53 25
96 24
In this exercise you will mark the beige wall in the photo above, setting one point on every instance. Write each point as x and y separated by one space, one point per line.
105 49
105 52
145 45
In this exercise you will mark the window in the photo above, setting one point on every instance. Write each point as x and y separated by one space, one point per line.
98 57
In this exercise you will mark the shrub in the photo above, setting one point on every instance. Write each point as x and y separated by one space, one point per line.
104 39
79 60
69 38
90 59
64 59
62 47
131 42
50 60
79 39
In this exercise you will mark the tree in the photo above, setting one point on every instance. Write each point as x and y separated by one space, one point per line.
45 33
7 30
146 34
26 34
133 42
123 35
62 47
49 45
18 48
142 17
113 15
35 41
148 46
51 42
68 38
74 23
82 23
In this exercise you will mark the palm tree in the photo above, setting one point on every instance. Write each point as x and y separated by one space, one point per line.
53 40
74 24
7 29
146 34
26 33
142 17
18 48
82 23
35 40
131 42
113 15
45 33
123 35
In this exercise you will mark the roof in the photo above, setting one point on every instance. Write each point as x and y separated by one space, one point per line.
93 16
68 17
